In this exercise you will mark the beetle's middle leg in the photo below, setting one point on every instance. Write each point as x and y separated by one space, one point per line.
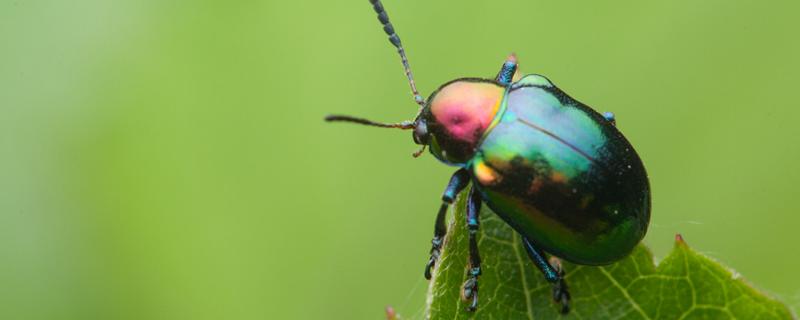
458 181
470 292
553 273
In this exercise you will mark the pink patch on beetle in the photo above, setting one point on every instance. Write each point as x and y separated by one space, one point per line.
466 109
461 124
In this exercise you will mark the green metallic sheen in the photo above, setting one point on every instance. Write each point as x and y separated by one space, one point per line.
562 175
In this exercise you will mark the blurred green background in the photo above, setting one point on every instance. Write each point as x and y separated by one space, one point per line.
168 159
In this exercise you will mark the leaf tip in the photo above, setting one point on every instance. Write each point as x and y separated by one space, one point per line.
390 313
679 240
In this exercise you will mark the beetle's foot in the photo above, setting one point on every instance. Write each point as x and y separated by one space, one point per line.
560 291
561 295
470 291
436 251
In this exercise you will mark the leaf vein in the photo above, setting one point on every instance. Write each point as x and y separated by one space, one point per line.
624 292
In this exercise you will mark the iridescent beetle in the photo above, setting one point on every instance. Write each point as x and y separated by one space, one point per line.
556 171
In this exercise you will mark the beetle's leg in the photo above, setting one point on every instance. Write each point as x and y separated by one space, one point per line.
560 290
457 183
506 74
470 292
610 117
553 273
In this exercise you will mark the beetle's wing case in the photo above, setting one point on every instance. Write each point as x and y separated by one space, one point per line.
561 175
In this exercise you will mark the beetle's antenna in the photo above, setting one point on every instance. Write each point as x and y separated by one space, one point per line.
400 125
395 40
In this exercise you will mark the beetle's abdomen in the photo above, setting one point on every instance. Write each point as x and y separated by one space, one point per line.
564 177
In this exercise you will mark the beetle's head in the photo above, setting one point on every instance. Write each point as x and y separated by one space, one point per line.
452 121
456 116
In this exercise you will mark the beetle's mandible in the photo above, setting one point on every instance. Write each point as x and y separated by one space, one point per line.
556 171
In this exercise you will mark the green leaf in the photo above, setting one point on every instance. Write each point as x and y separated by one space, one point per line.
686 285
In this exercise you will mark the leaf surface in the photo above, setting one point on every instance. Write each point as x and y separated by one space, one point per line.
685 285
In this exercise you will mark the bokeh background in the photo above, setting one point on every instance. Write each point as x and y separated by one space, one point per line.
168 159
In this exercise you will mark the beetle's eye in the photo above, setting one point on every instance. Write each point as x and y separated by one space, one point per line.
421 133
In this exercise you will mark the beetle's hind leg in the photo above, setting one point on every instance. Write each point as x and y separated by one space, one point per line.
560 290
610 117
553 272
470 291
457 183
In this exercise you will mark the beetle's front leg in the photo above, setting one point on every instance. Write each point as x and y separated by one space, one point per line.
553 273
507 72
470 292
458 181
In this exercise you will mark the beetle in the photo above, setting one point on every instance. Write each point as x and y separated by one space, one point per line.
559 173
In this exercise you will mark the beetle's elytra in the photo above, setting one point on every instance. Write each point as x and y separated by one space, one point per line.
556 171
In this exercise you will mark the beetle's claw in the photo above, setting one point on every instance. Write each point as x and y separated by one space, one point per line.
561 296
560 290
429 267
470 293
474 304
436 247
